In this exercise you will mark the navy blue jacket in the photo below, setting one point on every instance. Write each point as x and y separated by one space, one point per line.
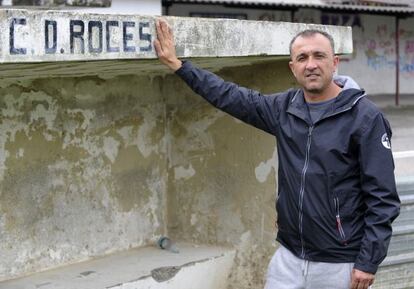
336 195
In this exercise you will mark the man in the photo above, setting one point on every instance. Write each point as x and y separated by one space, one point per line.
336 195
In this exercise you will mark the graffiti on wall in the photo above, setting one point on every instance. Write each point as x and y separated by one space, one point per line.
341 19
407 59
409 47
319 17
377 43
380 50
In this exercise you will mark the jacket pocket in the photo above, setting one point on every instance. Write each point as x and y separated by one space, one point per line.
338 218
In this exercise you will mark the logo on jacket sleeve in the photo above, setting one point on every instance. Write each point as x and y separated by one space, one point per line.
386 141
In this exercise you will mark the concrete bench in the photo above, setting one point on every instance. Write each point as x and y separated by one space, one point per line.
195 267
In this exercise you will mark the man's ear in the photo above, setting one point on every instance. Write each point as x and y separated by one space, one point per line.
336 62
291 68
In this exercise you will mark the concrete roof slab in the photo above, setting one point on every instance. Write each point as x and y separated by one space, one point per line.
45 43
39 36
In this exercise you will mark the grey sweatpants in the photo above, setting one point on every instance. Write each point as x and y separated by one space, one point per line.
286 271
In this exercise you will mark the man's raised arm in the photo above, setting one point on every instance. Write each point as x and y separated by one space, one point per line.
243 103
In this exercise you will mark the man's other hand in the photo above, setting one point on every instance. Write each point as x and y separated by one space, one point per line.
361 280
165 46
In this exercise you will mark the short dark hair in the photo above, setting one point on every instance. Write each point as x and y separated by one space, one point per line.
309 33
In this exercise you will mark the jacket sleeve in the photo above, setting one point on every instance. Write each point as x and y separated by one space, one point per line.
245 104
380 194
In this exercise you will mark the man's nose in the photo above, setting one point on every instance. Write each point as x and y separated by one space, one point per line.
311 64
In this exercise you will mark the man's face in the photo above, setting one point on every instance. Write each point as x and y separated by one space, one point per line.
313 63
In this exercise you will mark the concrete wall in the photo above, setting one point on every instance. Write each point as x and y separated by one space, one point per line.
374 56
87 168
222 182
83 169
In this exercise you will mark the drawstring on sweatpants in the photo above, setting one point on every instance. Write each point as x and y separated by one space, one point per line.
305 267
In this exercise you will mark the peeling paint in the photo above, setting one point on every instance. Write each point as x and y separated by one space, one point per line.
143 141
20 153
183 172
143 137
71 185
194 219
230 198
263 170
110 148
86 165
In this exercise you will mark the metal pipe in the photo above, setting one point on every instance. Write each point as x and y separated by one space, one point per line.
397 63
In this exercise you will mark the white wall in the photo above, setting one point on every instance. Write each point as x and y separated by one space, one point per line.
407 55
373 63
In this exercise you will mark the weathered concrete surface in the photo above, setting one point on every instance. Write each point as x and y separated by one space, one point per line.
37 36
195 267
88 166
11 73
82 170
222 180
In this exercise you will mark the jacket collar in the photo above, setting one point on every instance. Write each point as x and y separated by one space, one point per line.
297 106
345 100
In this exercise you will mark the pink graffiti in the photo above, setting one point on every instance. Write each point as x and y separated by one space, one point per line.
409 46
371 44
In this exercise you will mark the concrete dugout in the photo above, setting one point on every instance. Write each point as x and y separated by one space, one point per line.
102 150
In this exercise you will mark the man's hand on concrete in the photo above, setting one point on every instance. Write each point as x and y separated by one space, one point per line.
165 46
361 280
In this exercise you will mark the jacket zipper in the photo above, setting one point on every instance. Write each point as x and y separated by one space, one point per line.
338 221
302 186
302 189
